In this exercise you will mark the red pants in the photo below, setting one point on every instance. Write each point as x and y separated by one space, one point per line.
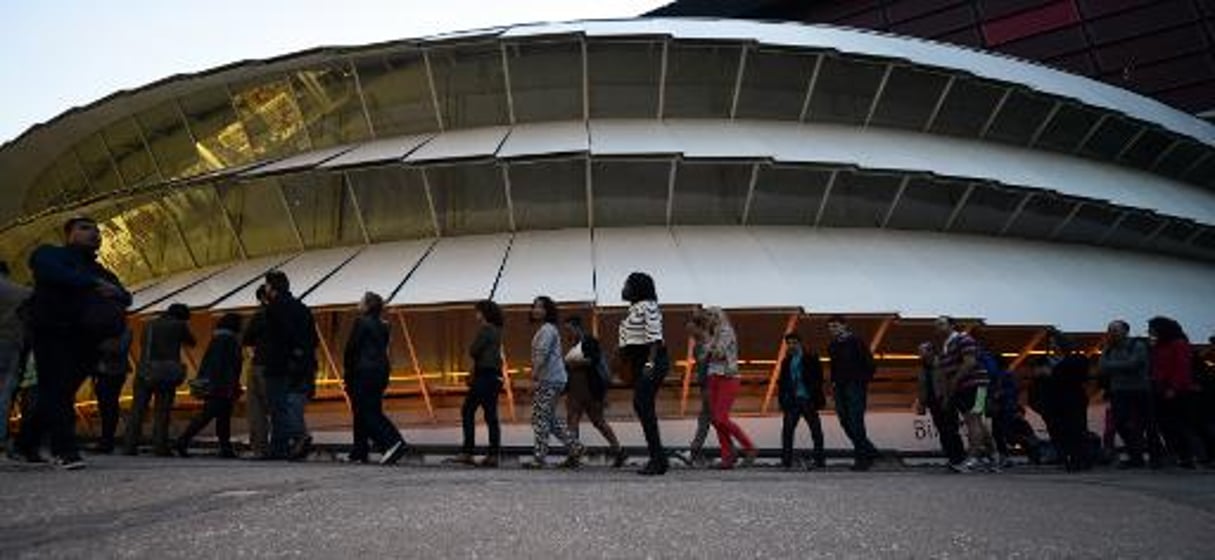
722 391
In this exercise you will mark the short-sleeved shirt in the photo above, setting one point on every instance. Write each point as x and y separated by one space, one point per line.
956 348
642 326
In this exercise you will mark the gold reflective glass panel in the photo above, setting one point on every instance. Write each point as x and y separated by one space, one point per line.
397 93
271 118
327 97
322 209
259 216
98 167
220 138
199 214
169 140
470 84
135 164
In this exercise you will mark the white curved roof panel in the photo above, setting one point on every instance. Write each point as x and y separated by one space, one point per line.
620 252
461 144
555 263
219 286
376 151
379 268
457 270
550 138
304 272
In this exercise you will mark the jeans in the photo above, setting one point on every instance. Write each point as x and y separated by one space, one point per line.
483 394
370 423
108 390
10 373
546 422
850 400
287 424
645 392
162 409
219 410
64 361
722 392
802 409
257 412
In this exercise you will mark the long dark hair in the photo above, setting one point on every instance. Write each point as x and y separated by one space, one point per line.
375 304
550 309
1166 329
639 286
491 312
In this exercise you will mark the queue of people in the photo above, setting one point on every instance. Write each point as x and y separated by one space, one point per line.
71 328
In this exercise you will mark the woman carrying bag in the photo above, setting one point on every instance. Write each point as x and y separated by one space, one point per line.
218 385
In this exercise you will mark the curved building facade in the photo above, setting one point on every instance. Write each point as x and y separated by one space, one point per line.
782 171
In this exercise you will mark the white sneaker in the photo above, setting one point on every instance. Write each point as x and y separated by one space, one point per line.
972 464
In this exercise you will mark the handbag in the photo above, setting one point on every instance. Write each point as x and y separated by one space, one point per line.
160 374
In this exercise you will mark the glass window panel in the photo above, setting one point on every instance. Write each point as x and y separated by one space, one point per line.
1090 224
1041 216
328 99
147 228
393 202
1134 229
469 198
58 184
549 194
860 199
323 211
121 249
271 118
397 93
199 214
170 142
927 203
134 161
546 80
774 84
909 97
1068 128
97 165
1020 117
700 80
844 90
967 107
470 84
259 217
987 209
630 193
1149 147
788 195
624 78
1110 139
710 193
1180 159
220 136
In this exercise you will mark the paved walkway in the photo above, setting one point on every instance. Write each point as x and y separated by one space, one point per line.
163 508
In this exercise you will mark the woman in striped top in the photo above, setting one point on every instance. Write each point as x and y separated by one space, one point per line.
642 349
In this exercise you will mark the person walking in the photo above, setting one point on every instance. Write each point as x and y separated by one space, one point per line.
484 385
13 297
933 400
704 419
852 369
800 394
158 376
109 377
218 385
549 378
966 380
76 304
641 347
1126 373
721 350
1068 400
291 367
1172 379
366 370
257 402
587 389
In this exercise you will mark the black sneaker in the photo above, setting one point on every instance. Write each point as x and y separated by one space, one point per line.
394 454
70 463
622 457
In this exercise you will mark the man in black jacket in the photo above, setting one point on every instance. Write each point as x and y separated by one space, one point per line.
290 363
800 392
851 370
76 305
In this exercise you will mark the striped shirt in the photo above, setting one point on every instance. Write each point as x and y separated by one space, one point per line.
642 326
956 348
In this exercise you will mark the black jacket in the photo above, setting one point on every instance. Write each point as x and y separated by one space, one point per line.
65 282
850 359
255 337
366 356
222 365
812 380
291 342
163 338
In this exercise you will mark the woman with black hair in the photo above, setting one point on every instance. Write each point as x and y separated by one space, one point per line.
1173 385
484 384
548 380
588 386
642 349
366 378
219 383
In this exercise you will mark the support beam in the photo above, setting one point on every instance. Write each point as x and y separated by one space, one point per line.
671 189
689 371
1016 213
358 208
774 377
1070 216
738 80
936 109
333 367
818 64
957 209
1194 236
1033 140
223 209
1114 227
880 336
295 228
417 365
509 386
1092 131
586 80
894 204
662 80
143 138
1164 224
590 194
991 120
510 99
822 204
1164 154
1197 163
510 205
181 235
746 216
1131 144
358 88
430 201
434 94
1025 350
109 152
877 97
